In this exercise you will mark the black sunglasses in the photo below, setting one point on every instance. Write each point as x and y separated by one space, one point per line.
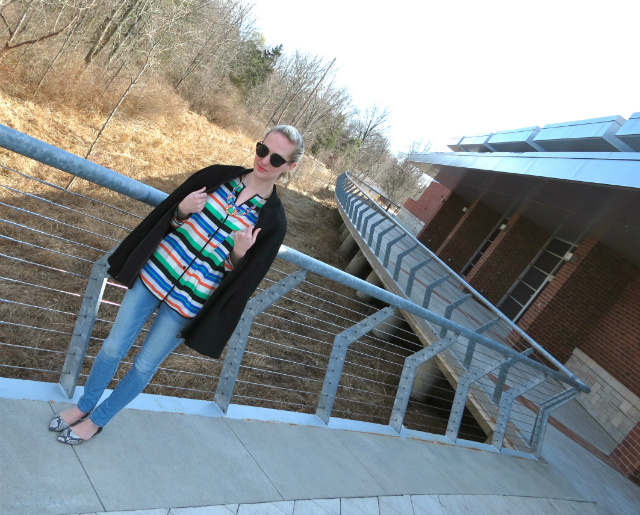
276 160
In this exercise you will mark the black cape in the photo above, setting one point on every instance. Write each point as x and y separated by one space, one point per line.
209 331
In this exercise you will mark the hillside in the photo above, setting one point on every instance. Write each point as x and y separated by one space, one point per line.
162 150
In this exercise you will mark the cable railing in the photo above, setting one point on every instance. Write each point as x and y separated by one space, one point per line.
414 272
307 343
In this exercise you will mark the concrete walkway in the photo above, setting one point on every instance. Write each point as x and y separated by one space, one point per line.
159 463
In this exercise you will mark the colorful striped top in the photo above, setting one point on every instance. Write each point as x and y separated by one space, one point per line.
191 261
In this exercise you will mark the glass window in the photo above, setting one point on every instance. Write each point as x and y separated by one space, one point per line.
546 262
558 247
534 278
510 308
522 293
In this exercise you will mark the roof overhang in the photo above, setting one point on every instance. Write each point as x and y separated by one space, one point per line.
571 195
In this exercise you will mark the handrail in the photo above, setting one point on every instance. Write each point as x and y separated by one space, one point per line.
391 202
33 148
330 272
479 297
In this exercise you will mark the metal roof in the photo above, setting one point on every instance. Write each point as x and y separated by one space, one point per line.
571 195
630 132
594 135
518 140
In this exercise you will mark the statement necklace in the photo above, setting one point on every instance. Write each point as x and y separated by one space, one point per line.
232 209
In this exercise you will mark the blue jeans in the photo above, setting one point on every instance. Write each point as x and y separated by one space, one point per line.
136 308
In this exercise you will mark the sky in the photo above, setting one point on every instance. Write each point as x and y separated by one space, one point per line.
453 68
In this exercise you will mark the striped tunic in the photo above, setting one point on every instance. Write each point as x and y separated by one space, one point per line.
191 261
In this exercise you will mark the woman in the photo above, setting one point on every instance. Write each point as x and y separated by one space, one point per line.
196 258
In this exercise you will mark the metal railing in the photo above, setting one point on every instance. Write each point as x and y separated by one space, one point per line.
416 273
305 343
380 198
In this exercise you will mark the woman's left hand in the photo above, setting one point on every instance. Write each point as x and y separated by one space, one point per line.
242 241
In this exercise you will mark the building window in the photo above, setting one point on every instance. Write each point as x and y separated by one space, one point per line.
485 245
540 273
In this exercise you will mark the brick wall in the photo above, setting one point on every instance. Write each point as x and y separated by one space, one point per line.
429 203
441 210
466 237
627 455
593 303
507 258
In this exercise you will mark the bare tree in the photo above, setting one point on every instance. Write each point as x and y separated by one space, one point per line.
18 28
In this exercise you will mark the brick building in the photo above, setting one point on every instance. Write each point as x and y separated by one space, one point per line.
545 223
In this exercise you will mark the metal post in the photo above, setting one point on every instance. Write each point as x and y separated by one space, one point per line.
373 229
505 409
366 222
84 326
390 245
462 391
407 378
471 346
412 275
238 341
430 288
358 200
502 376
540 426
396 272
341 344
357 210
449 311
359 217
379 241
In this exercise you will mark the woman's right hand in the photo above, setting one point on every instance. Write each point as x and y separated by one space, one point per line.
192 203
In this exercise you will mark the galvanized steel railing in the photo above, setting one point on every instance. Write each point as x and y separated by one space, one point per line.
304 344
419 275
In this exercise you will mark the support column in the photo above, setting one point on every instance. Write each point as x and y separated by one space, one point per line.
358 265
348 247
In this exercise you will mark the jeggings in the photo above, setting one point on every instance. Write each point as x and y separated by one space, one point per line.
137 306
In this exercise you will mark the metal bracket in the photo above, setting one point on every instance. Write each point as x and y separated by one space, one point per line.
412 275
390 245
84 325
380 235
365 223
502 376
449 311
373 229
505 409
341 345
462 391
430 288
238 340
540 426
396 272
361 213
471 346
407 378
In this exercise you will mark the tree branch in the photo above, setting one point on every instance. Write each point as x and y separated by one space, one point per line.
7 47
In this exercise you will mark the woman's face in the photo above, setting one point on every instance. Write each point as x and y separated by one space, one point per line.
277 143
